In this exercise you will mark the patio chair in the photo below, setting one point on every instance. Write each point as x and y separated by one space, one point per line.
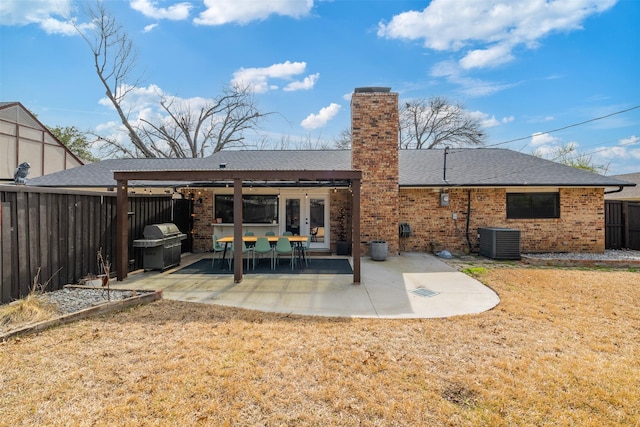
215 248
245 251
306 248
283 247
249 233
261 248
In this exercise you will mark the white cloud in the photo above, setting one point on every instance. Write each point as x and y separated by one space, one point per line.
176 12
489 30
473 87
65 28
20 12
52 16
488 122
612 152
490 57
150 27
219 12
314 121
539 139
137 99
305 84
258 78
623 151
635 153
484 119
632 140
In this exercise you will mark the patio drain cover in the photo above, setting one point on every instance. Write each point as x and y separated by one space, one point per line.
423 292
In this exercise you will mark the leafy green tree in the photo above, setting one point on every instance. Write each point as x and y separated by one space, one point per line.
75 140
569 155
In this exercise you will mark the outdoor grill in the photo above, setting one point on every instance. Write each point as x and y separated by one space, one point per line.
162 246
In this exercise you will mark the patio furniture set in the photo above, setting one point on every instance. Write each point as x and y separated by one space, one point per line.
294 246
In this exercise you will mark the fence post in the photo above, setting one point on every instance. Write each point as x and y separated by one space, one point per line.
5 252
122 223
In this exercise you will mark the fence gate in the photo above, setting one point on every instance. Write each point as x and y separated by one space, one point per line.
183 219
633 214
614 225
622 224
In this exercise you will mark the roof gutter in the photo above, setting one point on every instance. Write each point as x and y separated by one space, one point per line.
620 188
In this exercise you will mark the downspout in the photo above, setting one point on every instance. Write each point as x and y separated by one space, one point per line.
468 219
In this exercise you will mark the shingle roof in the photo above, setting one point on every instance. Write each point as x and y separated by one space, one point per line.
628 193
100 174
465 167
491 167
282 159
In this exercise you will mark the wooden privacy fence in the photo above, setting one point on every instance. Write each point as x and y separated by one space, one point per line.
622 224
60 232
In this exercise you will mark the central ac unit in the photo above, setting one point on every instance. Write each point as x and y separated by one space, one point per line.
499 243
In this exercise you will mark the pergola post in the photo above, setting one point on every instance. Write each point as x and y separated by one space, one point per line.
355 229
122 230
237 230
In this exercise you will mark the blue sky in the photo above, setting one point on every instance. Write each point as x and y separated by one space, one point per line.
523 68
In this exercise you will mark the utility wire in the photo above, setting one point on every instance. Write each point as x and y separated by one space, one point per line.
564 127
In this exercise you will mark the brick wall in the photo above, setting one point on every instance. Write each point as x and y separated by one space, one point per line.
202 218
340 200
580 227
374 151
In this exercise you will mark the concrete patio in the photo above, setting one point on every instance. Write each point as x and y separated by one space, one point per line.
411 285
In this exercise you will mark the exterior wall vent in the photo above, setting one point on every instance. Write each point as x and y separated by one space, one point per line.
499 243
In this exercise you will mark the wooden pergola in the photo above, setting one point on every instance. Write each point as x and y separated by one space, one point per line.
238 177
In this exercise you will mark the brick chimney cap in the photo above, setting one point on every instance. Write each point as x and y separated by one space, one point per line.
372 89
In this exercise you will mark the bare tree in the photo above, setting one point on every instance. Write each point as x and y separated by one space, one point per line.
186 131
180 129
343 141
437 123
114 59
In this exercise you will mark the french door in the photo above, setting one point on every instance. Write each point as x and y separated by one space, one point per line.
307 214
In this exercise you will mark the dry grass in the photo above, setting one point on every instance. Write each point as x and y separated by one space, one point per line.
28 310
25 311
563 348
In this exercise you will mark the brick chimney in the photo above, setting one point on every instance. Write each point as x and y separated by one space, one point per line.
374 151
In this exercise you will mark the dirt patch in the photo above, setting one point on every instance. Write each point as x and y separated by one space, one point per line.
562 348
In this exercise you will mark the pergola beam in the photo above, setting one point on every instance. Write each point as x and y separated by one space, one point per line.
245 175
238 177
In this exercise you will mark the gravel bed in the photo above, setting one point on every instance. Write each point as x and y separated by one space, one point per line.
608 255
72 299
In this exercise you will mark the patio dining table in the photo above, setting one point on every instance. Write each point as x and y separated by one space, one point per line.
296 241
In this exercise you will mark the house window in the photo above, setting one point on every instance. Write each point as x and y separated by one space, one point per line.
262 209
533 205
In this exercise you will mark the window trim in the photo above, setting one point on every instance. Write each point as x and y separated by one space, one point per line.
548 211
